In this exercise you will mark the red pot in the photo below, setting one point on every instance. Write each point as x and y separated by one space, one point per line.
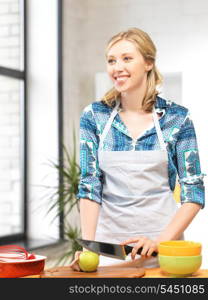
21 268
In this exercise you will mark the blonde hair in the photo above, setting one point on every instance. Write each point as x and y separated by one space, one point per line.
148 50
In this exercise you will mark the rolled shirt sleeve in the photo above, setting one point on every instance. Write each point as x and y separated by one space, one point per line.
90 186
188 164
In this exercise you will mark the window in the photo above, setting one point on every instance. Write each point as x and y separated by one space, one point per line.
12 120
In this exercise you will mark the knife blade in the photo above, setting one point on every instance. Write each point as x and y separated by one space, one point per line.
108 249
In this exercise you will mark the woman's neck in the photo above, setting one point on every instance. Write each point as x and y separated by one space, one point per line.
131 101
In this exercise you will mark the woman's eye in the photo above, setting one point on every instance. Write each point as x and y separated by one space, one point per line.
127 58
110 61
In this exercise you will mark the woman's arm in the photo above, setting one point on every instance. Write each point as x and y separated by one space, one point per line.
89 212
187 162
179 222
90 185
188 167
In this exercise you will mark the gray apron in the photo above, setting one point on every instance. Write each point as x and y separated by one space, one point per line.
136 197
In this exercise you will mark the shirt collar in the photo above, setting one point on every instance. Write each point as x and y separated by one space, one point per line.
160 107
161 103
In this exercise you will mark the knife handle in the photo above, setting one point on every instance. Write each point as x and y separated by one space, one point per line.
128 250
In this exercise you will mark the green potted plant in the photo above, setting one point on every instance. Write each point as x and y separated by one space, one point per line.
63 198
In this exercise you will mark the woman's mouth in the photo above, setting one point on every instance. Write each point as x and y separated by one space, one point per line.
121 79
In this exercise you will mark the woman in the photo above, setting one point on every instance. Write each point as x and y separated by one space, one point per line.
133 144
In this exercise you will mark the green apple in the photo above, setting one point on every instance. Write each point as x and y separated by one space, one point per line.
88 261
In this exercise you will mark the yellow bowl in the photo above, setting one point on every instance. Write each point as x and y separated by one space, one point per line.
180 266
179 248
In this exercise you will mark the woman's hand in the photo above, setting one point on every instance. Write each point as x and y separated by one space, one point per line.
74 264
149 246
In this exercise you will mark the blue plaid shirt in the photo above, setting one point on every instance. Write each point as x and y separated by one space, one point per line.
179 135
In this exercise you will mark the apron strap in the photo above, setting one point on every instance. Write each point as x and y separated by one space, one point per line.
114 113
158 130
108 125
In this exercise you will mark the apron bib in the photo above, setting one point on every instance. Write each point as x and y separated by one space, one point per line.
136 197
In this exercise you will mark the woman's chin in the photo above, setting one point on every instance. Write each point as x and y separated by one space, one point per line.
124 89
121 89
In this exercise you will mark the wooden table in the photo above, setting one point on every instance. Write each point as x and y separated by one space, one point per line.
157 273
65 272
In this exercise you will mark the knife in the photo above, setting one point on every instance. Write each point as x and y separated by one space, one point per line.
108 249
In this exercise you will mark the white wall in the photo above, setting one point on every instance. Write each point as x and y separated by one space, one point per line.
179 29
42 113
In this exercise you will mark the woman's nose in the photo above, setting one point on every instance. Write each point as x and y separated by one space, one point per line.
118 66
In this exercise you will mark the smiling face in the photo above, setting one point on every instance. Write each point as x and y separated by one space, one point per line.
126 66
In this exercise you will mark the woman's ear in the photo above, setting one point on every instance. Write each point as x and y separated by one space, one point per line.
149 66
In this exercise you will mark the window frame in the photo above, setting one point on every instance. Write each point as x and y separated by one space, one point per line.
22 238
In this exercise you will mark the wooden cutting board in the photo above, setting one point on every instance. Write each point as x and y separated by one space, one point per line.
102 272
